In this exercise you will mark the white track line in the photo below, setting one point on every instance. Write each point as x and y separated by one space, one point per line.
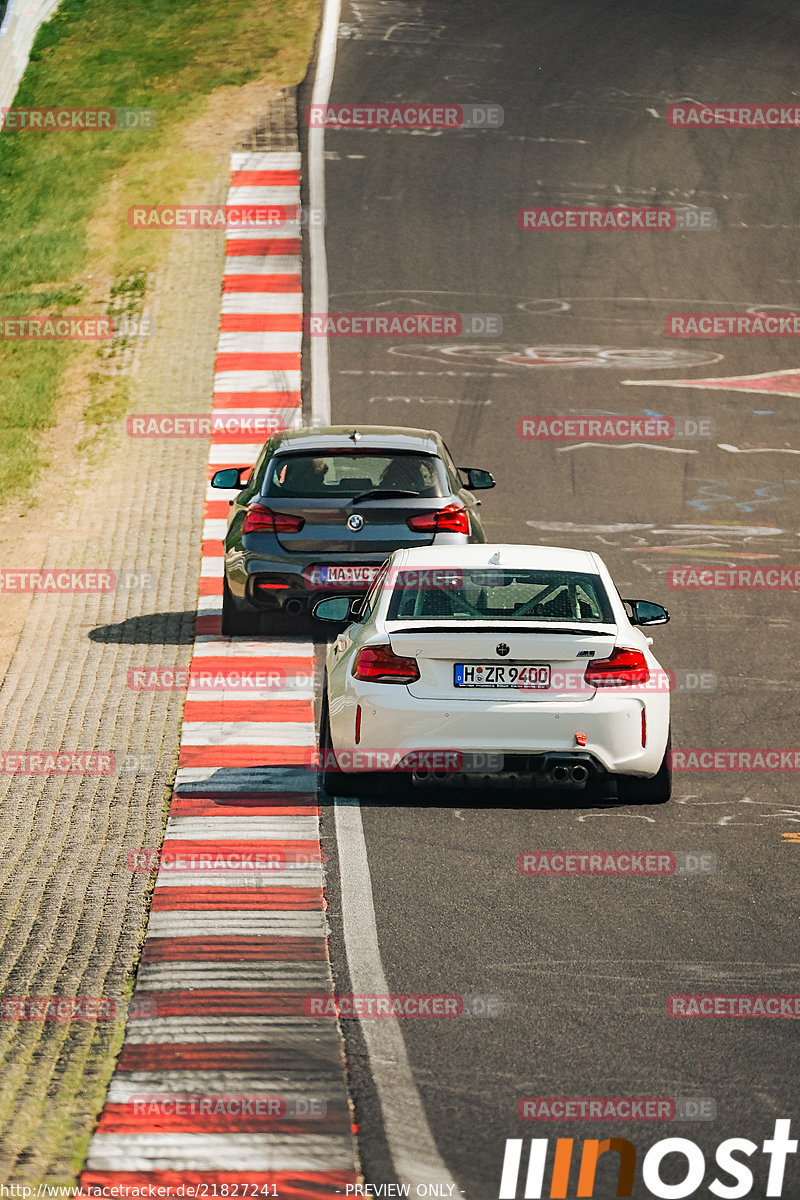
319 1038
212 1083
249 733
318 265
408 1135
263 1152
271 976
263 304
212 923
201 829
254 160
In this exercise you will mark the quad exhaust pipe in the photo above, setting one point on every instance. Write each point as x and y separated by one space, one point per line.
293 607
423 775
562 774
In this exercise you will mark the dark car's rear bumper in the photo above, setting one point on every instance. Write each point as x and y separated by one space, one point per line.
264 583
267 580
270 585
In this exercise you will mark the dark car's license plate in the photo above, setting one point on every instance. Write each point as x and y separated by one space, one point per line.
348 574
532 676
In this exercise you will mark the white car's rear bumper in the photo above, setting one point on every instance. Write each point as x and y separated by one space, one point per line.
393 720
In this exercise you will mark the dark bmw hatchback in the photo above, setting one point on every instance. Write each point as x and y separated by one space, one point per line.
322 509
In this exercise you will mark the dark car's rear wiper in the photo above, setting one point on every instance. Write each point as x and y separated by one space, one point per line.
382 494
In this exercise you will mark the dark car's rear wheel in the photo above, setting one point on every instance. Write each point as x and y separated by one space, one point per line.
234 622
656 790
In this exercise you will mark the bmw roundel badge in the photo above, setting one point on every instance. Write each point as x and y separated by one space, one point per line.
356 521
502 649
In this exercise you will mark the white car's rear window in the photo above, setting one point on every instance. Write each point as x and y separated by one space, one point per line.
502 593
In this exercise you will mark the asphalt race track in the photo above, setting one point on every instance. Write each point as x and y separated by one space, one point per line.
427 222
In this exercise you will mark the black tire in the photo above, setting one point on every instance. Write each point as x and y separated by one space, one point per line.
656 790
334 782
235 623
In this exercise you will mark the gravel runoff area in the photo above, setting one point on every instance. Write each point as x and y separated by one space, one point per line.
72 912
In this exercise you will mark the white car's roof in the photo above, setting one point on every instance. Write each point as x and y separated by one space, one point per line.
535 558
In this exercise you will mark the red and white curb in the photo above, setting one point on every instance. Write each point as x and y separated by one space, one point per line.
231 956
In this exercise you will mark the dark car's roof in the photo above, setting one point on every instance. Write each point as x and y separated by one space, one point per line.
370 437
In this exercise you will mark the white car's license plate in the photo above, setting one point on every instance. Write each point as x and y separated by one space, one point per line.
354 574
531 676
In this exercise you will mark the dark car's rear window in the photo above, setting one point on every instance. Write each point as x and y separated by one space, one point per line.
347 474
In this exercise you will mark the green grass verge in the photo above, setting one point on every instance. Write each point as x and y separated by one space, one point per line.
155 54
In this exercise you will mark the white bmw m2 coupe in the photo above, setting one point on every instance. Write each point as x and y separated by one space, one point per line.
491 663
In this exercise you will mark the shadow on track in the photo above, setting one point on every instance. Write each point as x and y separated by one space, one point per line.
152 629
296 784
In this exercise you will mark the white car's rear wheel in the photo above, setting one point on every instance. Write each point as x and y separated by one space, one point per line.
656 790
334 781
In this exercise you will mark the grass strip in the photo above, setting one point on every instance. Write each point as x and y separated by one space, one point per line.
149 54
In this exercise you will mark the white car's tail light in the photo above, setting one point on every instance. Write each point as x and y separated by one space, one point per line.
624 668
378 664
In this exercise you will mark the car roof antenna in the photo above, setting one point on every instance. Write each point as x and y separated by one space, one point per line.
496 558
355 435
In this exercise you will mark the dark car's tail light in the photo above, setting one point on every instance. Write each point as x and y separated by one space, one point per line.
260 519
452 519
379 664
625 667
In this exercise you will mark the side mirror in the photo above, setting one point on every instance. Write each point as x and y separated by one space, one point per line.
341 609
645 612
477 478
230 478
